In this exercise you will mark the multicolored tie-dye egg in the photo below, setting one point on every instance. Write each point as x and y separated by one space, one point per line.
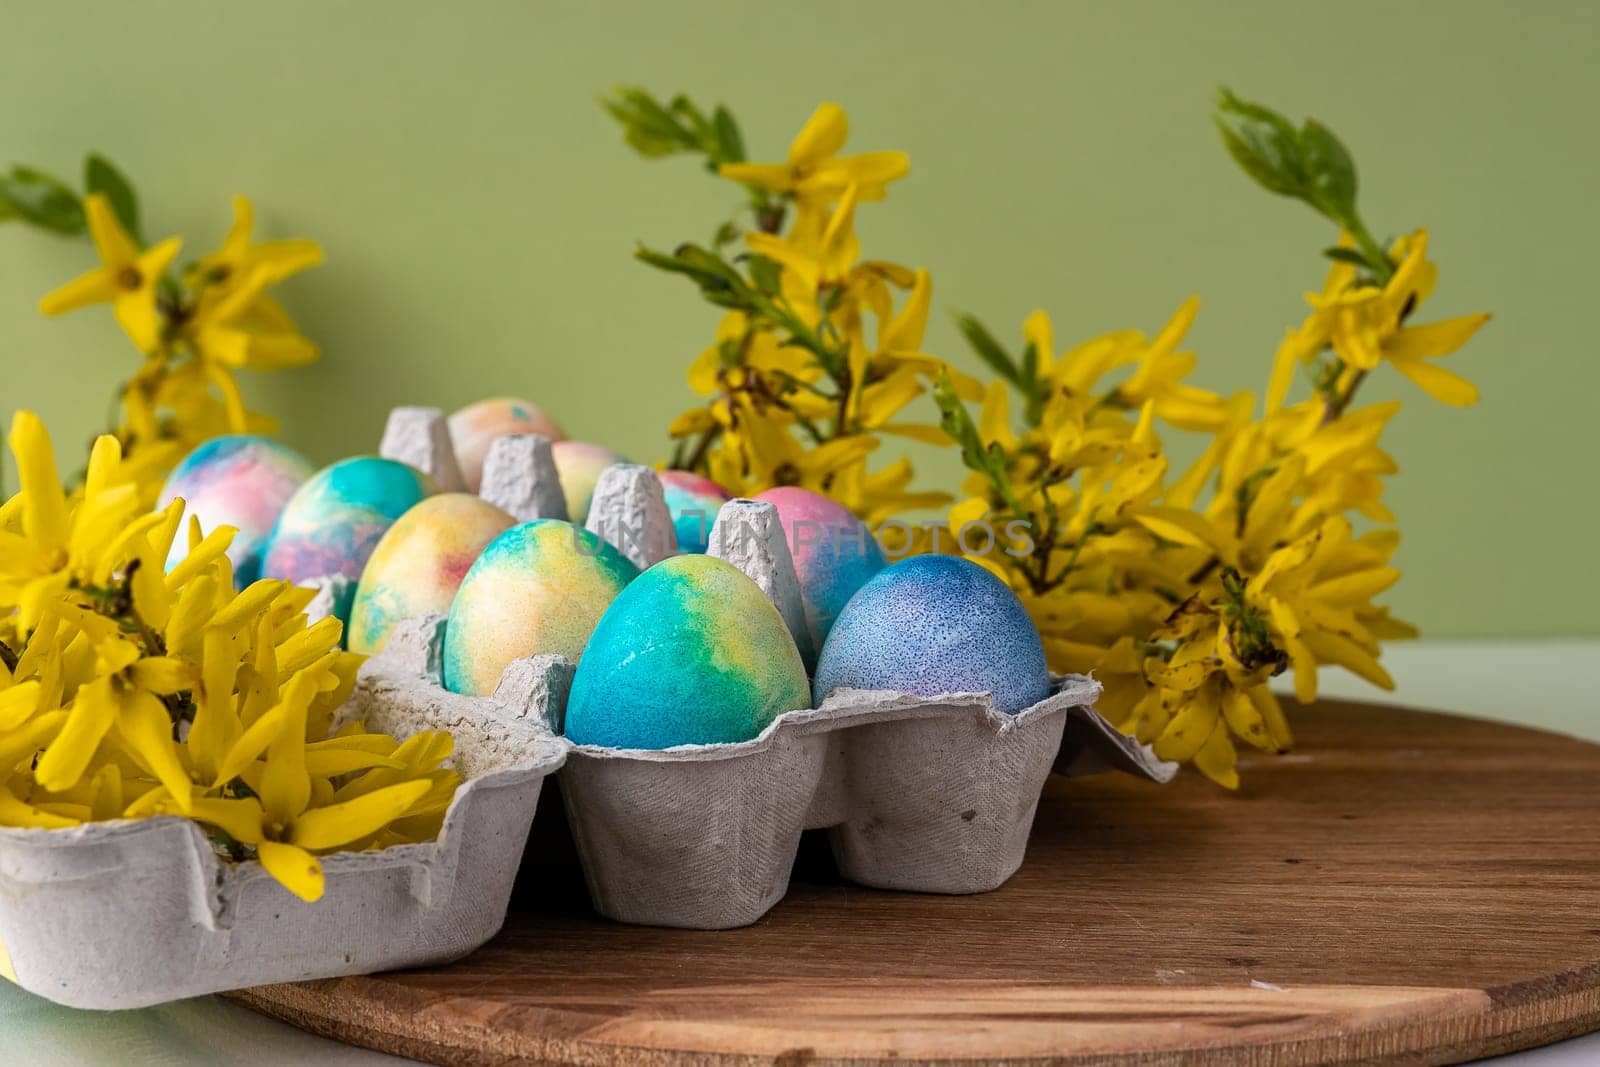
834 553
474 428
242 481
693 503
936 624
692 653
419 564
334 521
580 464
537 588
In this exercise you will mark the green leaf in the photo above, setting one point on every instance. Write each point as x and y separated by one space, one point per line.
1346 255
42 200
730 142
1330 172
1263 143
765 273
101 176
650 128
988 349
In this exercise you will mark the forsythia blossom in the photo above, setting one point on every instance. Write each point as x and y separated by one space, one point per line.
1184 592
127 692
194 330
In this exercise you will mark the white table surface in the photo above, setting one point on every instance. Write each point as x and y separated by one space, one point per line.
1551 684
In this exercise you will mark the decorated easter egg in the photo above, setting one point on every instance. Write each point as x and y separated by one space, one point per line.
419 564
692 653
834 552
333 522
537 588
242 481
579 465
693 503
936 624
474 428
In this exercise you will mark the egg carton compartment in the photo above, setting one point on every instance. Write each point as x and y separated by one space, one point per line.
931 795
126 914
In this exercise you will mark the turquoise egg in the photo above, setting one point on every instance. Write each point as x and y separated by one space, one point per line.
334 521
420 563
693 503
692 653
537 588
243 481
931 625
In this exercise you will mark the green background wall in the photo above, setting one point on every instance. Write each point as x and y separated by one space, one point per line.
478 209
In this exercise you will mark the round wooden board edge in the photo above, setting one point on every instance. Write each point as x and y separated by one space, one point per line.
1446 1038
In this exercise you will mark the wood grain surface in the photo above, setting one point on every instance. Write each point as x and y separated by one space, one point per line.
1405 887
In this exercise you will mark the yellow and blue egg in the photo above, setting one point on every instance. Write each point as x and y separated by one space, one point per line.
538 588
691 653
693 503
420 563
243 481
931 625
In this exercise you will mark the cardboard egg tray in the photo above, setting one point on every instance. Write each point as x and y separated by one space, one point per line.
125 914
931 795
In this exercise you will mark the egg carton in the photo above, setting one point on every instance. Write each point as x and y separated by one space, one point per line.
129 913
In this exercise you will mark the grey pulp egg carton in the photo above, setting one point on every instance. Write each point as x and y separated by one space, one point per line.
924 794
129 913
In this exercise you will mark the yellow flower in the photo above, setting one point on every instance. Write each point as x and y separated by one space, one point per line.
1365 325
239 262
127 278
815 172
104 658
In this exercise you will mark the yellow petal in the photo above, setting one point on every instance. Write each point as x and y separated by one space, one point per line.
146 729
1434 339
164 675
1190 728
98 286
239 817
14 812
1445 386
824 133
1216 759
115 248
1244 719
91 715
44 511
294 868
339 824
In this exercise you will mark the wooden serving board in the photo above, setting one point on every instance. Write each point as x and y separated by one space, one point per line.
1406 887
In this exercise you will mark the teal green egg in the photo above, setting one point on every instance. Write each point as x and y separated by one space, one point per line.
539 588
691 653
332 523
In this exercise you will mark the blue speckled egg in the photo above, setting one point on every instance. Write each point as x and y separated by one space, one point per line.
692 653
243 481
334 521
931 625
539 588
